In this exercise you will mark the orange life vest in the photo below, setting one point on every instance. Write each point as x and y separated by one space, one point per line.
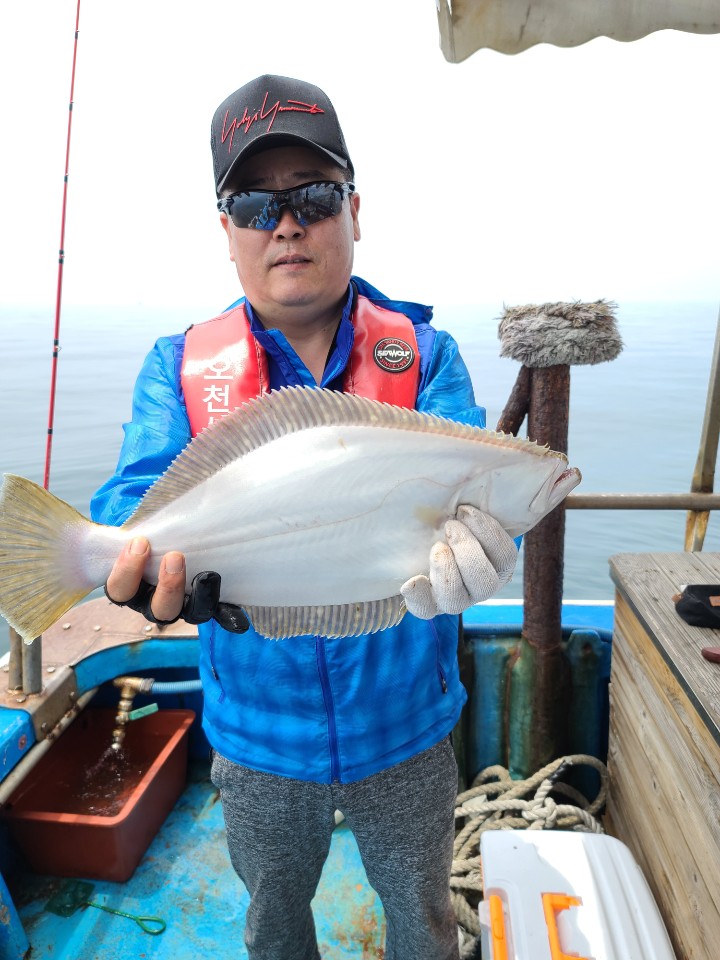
225 366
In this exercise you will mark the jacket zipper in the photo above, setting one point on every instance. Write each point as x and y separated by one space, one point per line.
329 709
441 672
212 665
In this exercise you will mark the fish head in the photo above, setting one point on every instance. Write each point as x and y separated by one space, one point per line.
554 490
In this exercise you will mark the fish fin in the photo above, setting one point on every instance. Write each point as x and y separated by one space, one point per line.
286 411
38 580
341 620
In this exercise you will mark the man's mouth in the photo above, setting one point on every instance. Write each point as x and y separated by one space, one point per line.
290 260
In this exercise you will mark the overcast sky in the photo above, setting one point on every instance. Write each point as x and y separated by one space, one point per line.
551 175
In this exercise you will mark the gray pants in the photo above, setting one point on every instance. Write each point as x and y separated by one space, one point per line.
279 832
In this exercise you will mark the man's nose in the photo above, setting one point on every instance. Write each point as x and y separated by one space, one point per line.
288 227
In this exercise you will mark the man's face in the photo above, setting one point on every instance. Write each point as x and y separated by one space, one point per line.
293 272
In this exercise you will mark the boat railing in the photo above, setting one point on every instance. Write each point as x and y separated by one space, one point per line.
694 501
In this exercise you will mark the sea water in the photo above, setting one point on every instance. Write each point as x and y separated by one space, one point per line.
635 422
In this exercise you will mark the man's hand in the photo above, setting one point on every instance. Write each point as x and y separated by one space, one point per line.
167 602
477 560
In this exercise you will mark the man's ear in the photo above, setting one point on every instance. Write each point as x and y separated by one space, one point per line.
354 210
225 223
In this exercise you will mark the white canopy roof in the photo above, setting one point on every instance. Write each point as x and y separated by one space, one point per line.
510 26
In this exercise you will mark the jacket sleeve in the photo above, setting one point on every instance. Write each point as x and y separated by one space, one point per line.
158 432
446 389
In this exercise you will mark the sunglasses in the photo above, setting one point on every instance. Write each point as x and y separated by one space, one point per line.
308 203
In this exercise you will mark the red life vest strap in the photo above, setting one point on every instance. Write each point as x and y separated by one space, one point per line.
384 362
224 366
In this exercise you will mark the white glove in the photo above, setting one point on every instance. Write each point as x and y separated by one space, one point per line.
478 559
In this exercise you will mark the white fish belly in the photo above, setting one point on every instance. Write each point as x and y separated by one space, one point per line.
338 514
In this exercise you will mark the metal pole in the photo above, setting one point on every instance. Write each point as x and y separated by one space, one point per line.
643 501
547 422
15 674
32 666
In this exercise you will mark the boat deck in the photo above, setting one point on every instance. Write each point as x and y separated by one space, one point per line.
647 582
664 743
186 879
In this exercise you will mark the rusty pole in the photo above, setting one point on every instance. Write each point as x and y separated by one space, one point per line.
544 548
547 340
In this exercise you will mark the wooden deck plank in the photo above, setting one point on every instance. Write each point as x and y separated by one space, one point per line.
648 583
664 749
664 803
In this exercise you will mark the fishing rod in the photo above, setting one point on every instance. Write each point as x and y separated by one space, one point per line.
61 263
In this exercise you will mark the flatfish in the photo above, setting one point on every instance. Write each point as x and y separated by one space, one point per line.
314 507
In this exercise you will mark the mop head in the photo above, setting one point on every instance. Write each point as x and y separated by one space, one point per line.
548 334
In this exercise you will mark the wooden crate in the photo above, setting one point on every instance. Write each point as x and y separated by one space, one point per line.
664 747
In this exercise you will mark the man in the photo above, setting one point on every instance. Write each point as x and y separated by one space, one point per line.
304 727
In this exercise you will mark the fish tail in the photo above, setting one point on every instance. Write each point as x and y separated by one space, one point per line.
41 575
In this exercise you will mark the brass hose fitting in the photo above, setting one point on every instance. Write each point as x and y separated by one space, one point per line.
129 689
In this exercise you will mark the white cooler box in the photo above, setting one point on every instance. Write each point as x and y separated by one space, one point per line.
556 895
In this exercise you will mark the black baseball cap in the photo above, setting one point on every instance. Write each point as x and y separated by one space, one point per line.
273 111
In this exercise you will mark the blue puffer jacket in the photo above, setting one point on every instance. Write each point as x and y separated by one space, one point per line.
310 707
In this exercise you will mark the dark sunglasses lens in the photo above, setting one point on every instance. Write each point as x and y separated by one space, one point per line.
316 202
254 209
